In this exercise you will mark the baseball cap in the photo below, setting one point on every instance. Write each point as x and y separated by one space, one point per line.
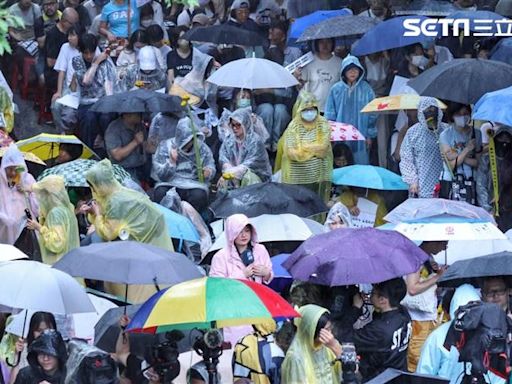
147 59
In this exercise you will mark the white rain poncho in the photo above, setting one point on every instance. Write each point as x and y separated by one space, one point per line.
78 352
340 211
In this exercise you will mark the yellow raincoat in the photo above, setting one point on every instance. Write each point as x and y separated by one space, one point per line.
306 361
59 232
306 150
125 214
349 200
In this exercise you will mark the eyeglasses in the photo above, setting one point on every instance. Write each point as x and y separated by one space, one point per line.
495 293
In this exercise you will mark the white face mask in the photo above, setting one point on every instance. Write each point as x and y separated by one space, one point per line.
146 22
419 61
461 121
309 115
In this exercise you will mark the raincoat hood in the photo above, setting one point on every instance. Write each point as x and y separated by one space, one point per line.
102 180
51 192
305 100
502 129
424 104
78 351
338 210
50 342
243 116
234 225
184 133
306 324
12 158
350 61
462 296
266 328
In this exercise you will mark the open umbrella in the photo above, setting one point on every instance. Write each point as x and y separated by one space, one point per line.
282 278
495 106
344 132
283 227
138 101
386 35
224 34
502 51
302 23
479 19
415 209
469 249
10 252
425 8
179 226
268 198
253 73
28 156
368 176
396 103
350 256
460 80
338 26
74 172
46 146
468 271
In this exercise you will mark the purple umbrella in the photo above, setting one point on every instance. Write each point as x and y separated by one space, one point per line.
354 256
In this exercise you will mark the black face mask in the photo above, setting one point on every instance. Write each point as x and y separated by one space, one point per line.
502 149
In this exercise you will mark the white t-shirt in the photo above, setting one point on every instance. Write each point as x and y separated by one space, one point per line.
63 63
320 76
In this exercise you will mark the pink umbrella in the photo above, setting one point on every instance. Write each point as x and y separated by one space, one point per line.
344 132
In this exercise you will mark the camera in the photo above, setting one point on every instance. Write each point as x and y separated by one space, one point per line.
209 345
349 361
163 357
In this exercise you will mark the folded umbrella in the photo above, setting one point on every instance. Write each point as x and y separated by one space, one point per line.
425 8
502 51
338 26
138 101
460 80
179 226
251 74
302 23
46 146
224 34
283 227
469 271
396 103
350 256
345 132
495 106
368 176
9 252
268 198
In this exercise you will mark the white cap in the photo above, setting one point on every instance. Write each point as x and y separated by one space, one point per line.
147 59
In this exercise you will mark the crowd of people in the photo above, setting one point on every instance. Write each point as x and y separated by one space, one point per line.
229 138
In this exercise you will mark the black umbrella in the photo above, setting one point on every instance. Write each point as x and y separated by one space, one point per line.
106 333
463 80
224 34
425 8
138 101
394 376
269 198
338 27
471 270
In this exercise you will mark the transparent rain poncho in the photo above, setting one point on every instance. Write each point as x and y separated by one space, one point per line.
78 351
59 232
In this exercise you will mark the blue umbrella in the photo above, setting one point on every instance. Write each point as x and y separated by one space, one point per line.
495 106
282 278
179 226
300 24
368 176
502 51
477 26
386 35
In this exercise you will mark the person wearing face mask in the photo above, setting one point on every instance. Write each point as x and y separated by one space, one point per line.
128 55
379 10
461 147
421 162
306 152
179 60
416 61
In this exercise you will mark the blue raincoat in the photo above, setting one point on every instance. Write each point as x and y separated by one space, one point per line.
435 359
344 104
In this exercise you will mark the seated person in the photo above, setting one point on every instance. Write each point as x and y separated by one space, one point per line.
350 197
147 73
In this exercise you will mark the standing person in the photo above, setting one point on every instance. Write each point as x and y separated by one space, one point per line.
345 101
114 20
379 10
58 230
322 73
421 162
15 187
179 60
307 152
313 349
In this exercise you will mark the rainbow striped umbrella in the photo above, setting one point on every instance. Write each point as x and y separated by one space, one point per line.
210 302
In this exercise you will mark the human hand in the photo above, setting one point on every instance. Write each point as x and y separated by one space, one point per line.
396 156
261 270
355 211
101 58
56 95
20 345
174 155
33 225
111 37
327 338
95 209
441 270
413 188
207 172
357 300
139 137
124 320
249 271
83 209
471 145
20 188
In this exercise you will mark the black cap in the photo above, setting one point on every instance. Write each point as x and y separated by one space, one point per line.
394 376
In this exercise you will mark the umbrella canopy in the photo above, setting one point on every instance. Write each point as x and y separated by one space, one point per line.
344 132
46 146
302 23
350 256
368 176
268 198
74 172
386 35
38 287
338 26
179 226
26 155
282 278
478 19
283 227
224 34
426 8
128 262
138 101
415 209
495 106
468 271
253 73
502 51
396 103
210 302
10 252
468 249
460 80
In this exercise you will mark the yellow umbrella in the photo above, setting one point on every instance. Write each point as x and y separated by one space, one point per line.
393 104
26 155
46 146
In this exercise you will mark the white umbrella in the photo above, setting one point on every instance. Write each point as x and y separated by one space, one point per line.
253 73
284 227
463 250
10 252
38 287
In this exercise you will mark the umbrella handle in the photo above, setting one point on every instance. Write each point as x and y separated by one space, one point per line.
16 363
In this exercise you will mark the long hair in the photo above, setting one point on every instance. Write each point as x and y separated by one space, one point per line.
38 318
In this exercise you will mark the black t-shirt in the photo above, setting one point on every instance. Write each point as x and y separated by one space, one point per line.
55 39
41 27
134 370
180 66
